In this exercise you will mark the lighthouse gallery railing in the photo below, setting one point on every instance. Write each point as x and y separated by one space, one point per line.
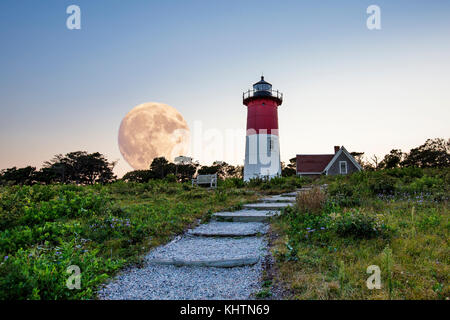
261 93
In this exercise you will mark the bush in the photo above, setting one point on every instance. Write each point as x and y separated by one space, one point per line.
170 178
41 274
380 183
344 194
358 224
232 183
425 184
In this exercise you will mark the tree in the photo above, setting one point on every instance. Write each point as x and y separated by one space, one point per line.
80 167
161 167
185 168
185 172
376 162
392 159
221 168
290 169
46 176
22 176
433 153
139 176
358 157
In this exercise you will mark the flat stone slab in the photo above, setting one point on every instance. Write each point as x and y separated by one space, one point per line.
229 229
278 198
289 194
267 205
208 252
221 263
246 215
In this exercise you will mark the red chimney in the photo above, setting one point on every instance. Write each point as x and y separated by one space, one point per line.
336 149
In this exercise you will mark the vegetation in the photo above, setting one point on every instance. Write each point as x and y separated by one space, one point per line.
434 153
397 219
44 229
74 211
77 167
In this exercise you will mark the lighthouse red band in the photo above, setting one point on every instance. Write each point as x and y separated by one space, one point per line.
262 116
262 148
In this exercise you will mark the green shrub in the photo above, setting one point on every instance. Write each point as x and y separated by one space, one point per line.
358 224
343 194
170 178
429 221
380 183
41 273
231 183
424 184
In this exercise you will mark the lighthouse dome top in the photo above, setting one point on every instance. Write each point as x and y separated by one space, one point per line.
262 85
262 89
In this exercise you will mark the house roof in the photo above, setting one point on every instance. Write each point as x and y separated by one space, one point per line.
336 156
313 163
318 163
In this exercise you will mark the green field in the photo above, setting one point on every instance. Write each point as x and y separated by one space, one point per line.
396 219
44 229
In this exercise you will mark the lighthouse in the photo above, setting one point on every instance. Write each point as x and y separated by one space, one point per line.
262 145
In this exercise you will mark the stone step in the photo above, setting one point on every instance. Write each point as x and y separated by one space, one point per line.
209 252
221 263
229 229
245 215
289 194
267 205
278 198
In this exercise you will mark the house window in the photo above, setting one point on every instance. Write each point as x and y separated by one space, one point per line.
343 167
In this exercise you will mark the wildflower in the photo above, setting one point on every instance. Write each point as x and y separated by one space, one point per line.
6 258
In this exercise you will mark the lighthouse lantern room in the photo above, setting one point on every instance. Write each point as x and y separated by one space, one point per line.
262 146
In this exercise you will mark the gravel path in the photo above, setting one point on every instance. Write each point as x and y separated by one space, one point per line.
170 282
165 282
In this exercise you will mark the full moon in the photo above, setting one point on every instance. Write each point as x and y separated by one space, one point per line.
152 130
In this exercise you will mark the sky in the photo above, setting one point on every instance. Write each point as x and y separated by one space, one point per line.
372 91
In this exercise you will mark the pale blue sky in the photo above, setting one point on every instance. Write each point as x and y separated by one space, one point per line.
371 91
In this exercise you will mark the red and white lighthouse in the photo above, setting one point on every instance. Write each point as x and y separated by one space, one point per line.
262 146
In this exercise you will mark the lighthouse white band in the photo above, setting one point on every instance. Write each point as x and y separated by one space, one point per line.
262 156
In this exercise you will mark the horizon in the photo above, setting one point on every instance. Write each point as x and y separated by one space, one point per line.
368 90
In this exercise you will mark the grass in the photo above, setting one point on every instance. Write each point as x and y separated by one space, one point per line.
324 253
100 228
45 229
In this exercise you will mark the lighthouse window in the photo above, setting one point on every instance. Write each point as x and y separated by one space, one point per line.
262 87
271 144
